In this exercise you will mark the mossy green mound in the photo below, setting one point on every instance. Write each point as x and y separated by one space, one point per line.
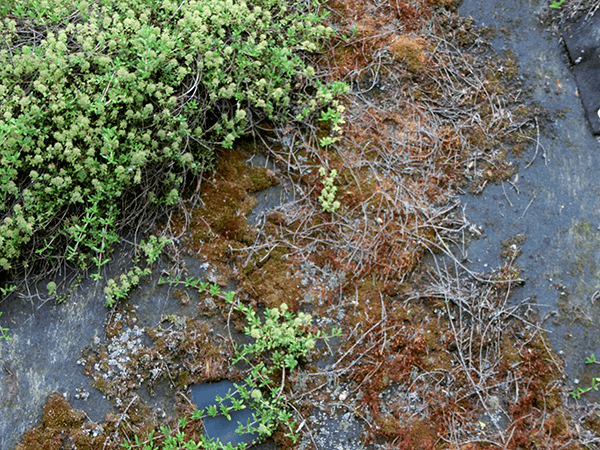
106 107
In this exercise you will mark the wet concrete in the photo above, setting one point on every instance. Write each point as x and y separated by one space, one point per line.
41 358
555 201
582 40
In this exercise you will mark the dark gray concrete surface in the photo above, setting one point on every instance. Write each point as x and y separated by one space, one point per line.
555 199
582 39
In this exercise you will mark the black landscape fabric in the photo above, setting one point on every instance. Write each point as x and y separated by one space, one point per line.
582 39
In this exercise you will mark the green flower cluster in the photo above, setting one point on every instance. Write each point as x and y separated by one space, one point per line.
281 333
327 197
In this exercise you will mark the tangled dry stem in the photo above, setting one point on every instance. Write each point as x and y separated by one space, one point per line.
401 159
414 138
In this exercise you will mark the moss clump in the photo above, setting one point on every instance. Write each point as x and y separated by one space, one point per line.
58 421
423 434
592 423
271 280
261 178
58 413
511 247
225 203
388 425
231 225
409 51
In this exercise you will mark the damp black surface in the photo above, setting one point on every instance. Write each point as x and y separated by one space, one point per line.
554 196
220 427
582 42
41 357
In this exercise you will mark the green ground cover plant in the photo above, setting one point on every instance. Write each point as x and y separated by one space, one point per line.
118 289
4 333
280 342
106 107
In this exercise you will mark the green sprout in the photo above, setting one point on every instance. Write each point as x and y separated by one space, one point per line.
594 383
4 333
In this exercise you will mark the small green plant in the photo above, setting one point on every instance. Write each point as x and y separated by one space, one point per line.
4 333
281 341
171 440
51 287
594 383
4 291
334 114
556 4
118 289
327 197
153 248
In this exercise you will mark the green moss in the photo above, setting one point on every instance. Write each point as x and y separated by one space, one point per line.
58 421
261 178
271 280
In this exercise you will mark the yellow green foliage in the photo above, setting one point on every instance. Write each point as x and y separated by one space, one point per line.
108 106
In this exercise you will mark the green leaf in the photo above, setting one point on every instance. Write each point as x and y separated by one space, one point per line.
215 289
212 411
225 411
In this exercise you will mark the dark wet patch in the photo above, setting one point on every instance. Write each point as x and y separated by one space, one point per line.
42 356
220 427
582 39
553 197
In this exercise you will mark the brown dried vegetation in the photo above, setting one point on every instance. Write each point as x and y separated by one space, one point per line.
55 429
